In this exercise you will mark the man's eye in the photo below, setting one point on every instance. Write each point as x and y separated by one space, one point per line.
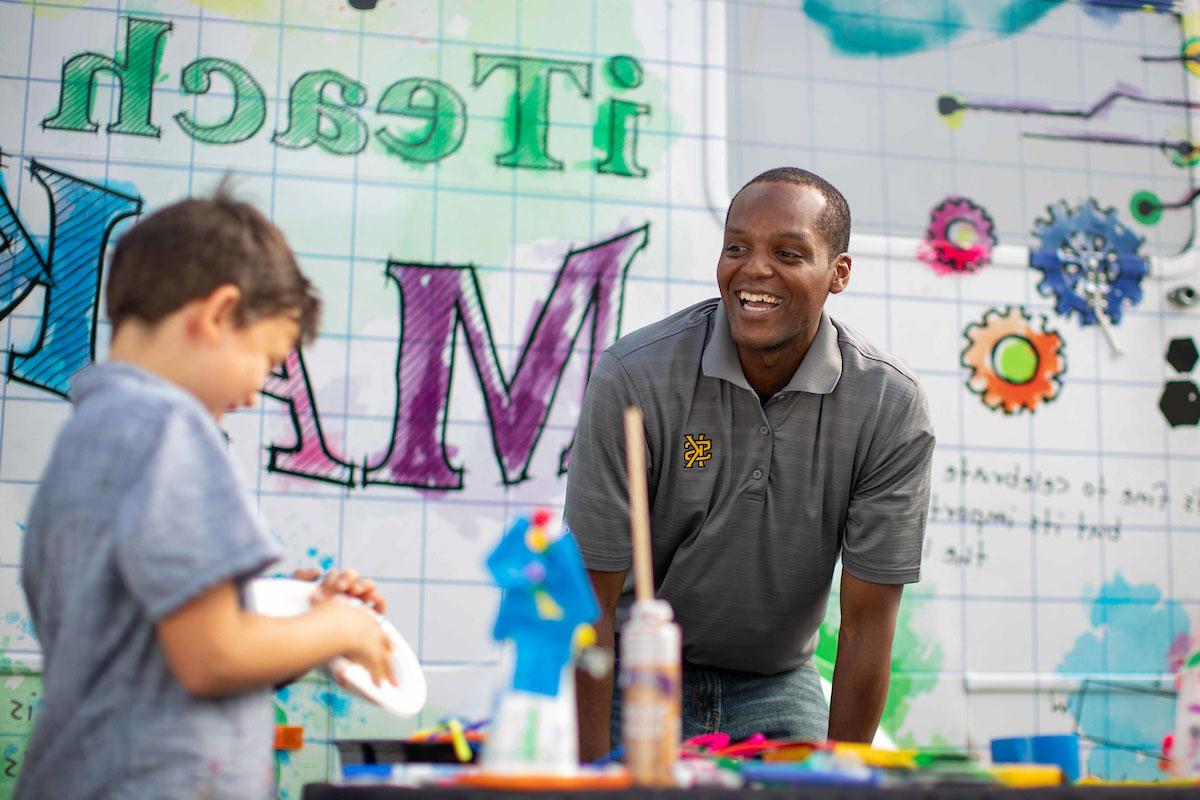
789 254
734 248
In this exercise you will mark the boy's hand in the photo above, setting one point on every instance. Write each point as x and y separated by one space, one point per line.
370 646
345 582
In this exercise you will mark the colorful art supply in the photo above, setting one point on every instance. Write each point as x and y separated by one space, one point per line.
437 748
462 740
875 757
1027 776
289 737
1185 744
651 676
651 680
1060 750
793 751
546 599
546 610
822 768
585 778
704 746
752 746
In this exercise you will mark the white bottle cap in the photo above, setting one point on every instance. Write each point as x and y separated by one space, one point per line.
651 612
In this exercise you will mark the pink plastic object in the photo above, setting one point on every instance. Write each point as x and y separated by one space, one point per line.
750 747
704 745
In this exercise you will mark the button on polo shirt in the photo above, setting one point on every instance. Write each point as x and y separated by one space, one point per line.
752 503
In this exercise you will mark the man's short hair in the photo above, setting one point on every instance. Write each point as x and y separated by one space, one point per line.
184 251
834 222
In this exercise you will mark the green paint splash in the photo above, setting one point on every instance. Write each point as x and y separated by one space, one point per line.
916 664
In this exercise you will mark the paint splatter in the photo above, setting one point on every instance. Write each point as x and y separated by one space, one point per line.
916 663
1134 630
883 28
244 9
56 10
24 623
858 29
337 703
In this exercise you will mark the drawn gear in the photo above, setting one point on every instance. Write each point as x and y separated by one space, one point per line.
1013 364
960 237
1089 261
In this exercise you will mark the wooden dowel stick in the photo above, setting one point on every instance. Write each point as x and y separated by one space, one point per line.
639 507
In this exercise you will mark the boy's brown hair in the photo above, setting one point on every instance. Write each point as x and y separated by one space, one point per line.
185 251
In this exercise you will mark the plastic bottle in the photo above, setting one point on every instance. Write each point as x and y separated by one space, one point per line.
1185 747
651 678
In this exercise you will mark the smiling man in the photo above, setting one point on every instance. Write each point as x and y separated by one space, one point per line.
778 440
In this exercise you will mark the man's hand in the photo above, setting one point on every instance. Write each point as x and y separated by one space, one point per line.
345 582
864 658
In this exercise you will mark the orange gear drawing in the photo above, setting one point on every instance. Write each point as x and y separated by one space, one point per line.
1013 365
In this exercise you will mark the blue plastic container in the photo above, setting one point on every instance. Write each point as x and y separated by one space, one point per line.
1058 749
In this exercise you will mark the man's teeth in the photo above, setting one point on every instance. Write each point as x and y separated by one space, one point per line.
748 297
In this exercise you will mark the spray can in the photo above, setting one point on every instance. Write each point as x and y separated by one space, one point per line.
651 684
1185 746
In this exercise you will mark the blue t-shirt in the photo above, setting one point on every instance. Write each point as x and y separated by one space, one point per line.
140 510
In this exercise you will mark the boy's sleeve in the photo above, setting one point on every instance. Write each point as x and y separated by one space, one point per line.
885 524
188 525
597 502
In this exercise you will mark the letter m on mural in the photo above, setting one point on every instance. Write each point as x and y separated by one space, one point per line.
436 302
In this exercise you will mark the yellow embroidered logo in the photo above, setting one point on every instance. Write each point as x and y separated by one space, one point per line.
697 452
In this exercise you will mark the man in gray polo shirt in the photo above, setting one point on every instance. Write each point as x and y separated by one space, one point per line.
777 441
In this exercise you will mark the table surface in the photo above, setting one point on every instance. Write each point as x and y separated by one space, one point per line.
324 791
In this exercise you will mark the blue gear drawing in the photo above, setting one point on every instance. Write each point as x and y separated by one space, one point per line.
1086 257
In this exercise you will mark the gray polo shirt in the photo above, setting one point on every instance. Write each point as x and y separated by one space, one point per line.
750 504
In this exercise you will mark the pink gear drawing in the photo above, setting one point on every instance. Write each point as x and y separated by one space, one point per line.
960 237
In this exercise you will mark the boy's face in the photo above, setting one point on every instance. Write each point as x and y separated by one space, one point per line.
242 358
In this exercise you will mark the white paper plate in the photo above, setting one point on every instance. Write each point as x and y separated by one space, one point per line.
284 597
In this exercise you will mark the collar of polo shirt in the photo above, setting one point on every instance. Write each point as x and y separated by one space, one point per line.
818 373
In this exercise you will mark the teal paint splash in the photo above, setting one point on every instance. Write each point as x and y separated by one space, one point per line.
338 704
1134 630
24 623
899 27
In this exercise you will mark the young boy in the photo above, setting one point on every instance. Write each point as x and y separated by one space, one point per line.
141 540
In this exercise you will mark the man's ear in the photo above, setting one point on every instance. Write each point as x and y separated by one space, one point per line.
841 274
211 314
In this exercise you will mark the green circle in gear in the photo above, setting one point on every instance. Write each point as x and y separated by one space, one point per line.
1015 360
1146 207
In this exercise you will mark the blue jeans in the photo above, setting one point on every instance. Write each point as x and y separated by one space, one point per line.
788 705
